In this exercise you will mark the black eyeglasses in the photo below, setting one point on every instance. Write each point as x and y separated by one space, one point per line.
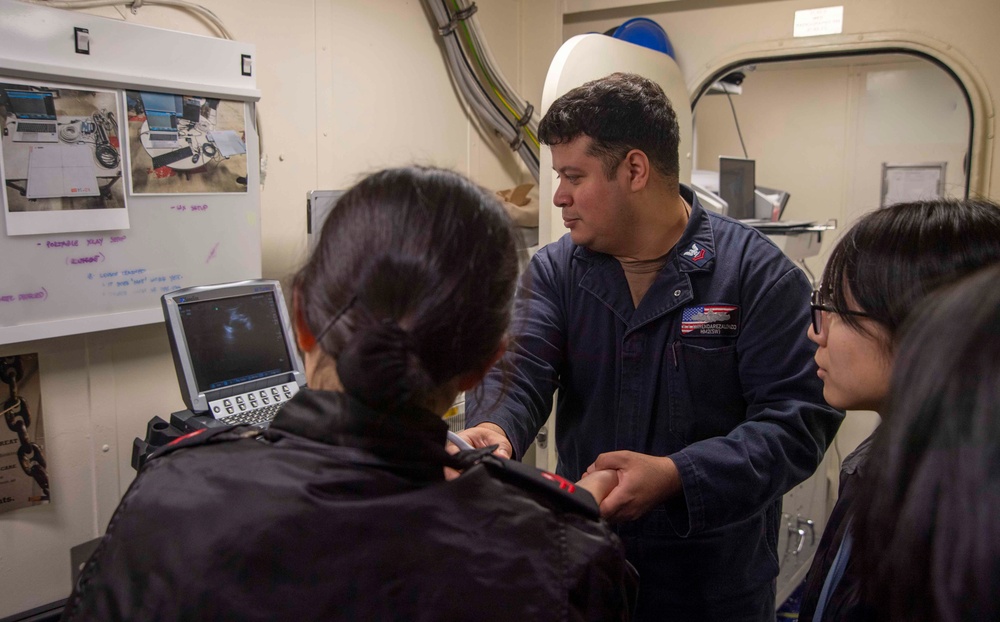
818 308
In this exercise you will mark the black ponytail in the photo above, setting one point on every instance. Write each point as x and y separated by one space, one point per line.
411 283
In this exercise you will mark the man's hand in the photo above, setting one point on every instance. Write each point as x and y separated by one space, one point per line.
486 434
643 483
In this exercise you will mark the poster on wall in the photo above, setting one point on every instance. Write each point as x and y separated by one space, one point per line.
60 159
24 479
912 182
185 145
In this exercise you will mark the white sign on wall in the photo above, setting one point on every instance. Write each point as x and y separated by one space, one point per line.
912 182
816 22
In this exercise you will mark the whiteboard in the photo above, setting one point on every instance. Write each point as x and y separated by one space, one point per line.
55 284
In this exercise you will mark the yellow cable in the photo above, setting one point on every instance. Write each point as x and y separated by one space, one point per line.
486 74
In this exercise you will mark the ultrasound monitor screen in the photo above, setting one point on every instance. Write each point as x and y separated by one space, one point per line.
736 186
32 105
234 340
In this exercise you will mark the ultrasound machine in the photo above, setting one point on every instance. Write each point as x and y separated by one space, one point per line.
235 357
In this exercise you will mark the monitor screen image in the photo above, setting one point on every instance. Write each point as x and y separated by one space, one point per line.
736 186
161 122
234 340
192 109
32 105
162 102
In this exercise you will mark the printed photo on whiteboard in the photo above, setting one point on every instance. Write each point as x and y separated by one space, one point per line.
24 479
61 159
186 145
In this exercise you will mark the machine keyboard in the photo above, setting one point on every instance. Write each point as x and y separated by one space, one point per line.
253 407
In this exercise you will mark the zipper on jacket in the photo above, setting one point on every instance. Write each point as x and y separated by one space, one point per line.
673 350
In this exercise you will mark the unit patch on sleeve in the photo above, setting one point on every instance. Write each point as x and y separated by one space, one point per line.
711 320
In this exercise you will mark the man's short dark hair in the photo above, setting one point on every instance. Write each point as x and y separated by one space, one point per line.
619 113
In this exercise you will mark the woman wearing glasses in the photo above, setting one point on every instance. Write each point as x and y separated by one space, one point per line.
882 267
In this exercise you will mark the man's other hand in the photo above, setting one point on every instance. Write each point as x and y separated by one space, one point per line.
643 483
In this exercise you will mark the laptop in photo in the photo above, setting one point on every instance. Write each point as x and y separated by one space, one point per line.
162 112
163 132
234 351
35 112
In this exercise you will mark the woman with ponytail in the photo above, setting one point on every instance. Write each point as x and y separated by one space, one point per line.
340 509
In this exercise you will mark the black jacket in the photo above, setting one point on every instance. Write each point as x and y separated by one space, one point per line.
846 602
338 512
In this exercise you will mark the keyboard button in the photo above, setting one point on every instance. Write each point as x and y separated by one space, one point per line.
260 417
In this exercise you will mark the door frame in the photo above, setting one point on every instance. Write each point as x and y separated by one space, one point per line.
980 106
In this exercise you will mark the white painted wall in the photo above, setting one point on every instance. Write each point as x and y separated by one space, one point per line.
347 87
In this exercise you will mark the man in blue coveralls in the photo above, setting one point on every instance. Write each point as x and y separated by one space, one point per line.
677 340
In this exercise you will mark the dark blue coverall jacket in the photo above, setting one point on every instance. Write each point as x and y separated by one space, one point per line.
713 369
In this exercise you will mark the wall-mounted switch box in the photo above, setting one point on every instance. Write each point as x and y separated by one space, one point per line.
81 38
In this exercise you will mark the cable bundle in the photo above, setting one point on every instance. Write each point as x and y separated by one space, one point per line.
69 133
482 84
106 154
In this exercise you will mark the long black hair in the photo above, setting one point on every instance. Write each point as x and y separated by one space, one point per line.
927 518
892 257
411 283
